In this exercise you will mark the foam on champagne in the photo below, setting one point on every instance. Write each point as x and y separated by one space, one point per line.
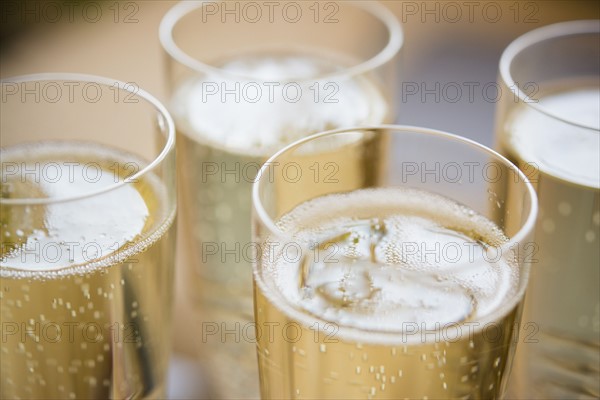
287 83
557 148
72 233
404 256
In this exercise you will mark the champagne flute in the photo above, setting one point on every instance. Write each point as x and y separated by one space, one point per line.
548 123
87 211
244 81
401 282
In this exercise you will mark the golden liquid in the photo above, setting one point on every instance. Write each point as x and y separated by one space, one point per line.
338 325
91 327
235 139
562 307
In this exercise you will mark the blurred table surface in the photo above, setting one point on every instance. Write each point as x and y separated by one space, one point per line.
439 47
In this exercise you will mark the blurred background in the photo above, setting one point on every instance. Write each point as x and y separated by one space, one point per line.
447 74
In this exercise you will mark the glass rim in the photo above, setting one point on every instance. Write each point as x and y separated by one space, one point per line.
169 126
375 8
391 337
548 32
